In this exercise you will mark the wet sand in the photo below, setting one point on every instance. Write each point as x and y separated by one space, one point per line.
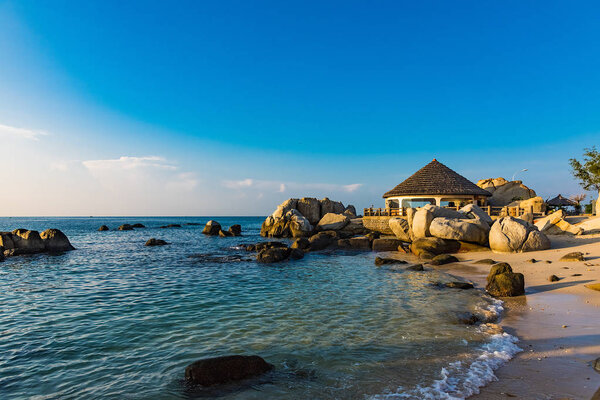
558 323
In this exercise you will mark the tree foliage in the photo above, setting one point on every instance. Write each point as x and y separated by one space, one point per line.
588 171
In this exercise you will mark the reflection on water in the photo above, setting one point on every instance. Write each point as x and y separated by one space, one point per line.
116 319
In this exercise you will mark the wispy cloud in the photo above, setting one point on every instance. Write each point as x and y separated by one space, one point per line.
6 130
244 183
129 163
275 186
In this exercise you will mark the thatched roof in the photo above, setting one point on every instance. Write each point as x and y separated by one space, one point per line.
436 179
560 201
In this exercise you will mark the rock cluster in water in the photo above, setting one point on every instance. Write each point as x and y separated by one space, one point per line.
24 241
213 228
220 370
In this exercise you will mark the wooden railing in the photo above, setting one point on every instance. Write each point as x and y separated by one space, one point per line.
491 211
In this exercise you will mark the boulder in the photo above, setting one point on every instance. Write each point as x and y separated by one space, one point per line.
416 267
532 205
468 247
350 210
432 246
443 259
220 370
505 192
472 211
527 217
155 242
410 216
421 221
386 261
400 228
266 245
300 243
354 227
223 233
103 228
296 254
512 235
331 207
555 224
333 222
126 227
468 230
438 211
573 256
486 261
322 240
386 244
310 208
235 230
272 255
553 278
170 226
360 243
56 241
211 228
591 225
459 285
138 225
283 208
503 282
26 242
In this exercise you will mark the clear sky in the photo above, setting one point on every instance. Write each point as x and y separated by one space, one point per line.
230 107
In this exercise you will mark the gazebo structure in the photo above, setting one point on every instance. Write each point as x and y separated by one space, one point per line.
560 201
435 184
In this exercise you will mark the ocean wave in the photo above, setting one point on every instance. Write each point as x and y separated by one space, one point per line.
459 379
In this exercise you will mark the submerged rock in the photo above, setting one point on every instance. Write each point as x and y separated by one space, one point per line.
416 267
459 285
223 233
103 228
301 243
385 261
155 242
211 228
443 259
220 370
138 225
235 230
273 255
126 227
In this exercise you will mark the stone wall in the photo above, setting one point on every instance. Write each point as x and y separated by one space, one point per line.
378 224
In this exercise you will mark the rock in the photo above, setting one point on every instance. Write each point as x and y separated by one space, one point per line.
155 242
593 286
574 256
527 217
26 242
416 267
597 365
1 253
554 224
468 230
56 241
103 228
330 206
438 211
360 243
486 261
468 247
170 226
385 261
553 278
468 319
532 205
433 246
400 228
296 254
275 254
223 233
532 260
410 216
138 225
192 224
126 227
355 227
505 192
300 243
591 225
289 224
443 259
503 282
322 240
235 230
386 244
512 235
310 208
459 285
472 211
333 222
211 228
421 221
350 210
298 225
267 245
220 370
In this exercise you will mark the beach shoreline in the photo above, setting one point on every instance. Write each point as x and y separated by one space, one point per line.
557 323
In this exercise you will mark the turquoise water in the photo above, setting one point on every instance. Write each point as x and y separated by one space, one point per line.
117 320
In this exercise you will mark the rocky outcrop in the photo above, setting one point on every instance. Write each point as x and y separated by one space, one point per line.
212 228
472 211
401 228
126 227
155 242
235 230
24 241
505 192
555 224
220 370
103 228
386 244
387 261
138 225
355 243
331 221
170 226
55 241
427 248
512 235
467 230
300 217
322 240
274 254
503 282
225 234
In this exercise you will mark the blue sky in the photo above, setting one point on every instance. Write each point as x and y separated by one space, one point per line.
230 107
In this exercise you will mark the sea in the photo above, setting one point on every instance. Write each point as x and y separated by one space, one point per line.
114 319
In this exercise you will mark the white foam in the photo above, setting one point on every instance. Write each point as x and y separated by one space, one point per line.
459 381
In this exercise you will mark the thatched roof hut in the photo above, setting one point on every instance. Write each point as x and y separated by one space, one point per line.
560 201
437 184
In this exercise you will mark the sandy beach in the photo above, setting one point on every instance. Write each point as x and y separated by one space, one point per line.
558 323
